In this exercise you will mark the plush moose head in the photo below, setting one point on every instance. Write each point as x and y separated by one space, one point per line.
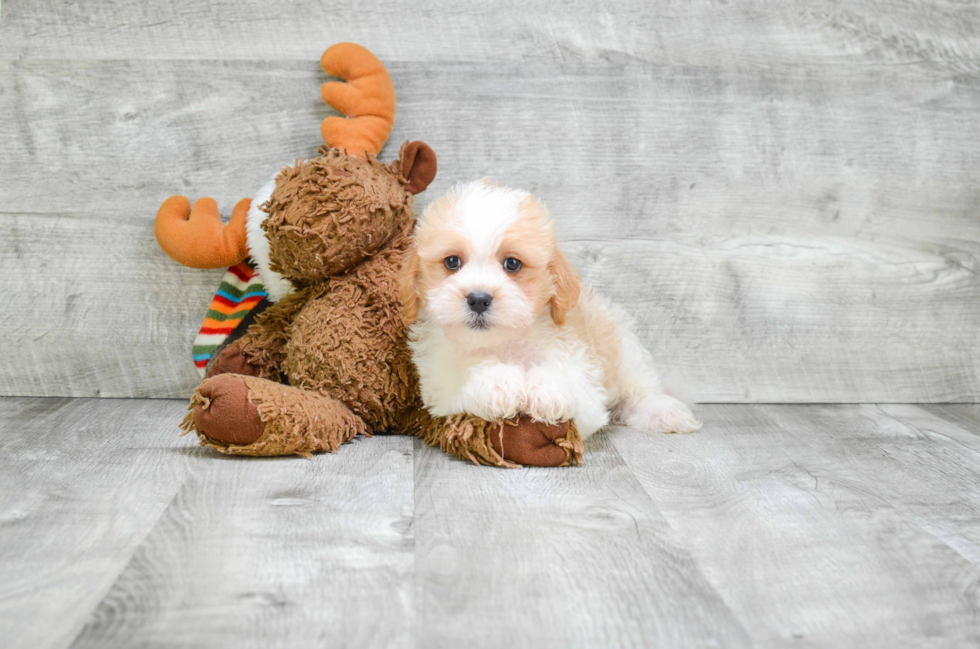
330 213
324 215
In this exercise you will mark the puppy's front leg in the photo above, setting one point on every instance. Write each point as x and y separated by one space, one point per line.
549 398
491 390
559 392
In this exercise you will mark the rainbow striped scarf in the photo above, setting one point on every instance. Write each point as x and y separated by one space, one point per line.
241 289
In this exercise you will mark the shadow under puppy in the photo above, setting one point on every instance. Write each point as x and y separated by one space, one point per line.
501 324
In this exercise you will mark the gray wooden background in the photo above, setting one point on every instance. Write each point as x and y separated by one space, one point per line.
786 194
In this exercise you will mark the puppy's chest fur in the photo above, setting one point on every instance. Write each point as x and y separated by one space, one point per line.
349 341
443 365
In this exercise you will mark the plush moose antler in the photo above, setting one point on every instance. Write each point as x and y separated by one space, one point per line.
367 99
197 238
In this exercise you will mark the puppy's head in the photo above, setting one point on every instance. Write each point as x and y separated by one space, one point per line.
486 264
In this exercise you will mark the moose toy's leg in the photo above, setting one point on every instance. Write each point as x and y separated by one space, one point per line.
502 443
247 415
533 443
231 360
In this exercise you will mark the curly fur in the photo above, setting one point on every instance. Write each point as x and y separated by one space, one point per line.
332 212
339 230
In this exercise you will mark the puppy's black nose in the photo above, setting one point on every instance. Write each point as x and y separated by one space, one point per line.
479 302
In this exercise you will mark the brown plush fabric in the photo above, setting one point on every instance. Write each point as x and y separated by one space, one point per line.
418 166
223 412
263 342
339 228
468 438
533 443
291 421
510 444
329 213
231 360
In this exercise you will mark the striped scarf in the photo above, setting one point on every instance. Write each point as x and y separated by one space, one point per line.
241 289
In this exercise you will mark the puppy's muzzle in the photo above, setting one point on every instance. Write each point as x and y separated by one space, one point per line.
479 302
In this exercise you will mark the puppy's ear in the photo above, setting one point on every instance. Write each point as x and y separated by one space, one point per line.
567 287
408 288
418 165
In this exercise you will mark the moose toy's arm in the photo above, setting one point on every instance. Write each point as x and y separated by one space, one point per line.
261 346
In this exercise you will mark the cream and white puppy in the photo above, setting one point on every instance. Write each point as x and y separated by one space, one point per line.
501 324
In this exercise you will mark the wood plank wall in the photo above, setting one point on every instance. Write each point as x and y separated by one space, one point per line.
786 195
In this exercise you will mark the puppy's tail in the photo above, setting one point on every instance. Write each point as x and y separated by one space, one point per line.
643 402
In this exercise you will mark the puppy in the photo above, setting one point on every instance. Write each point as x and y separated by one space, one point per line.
501 324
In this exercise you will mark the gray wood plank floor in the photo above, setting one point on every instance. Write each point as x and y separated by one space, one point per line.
785 194
816 526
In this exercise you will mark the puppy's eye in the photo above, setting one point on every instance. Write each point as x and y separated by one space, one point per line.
512 265
452 262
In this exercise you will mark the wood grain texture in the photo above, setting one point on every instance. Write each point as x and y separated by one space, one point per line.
279 552
555 558
923 482
82 482
966 416
696 33
819 523
785 197
816 526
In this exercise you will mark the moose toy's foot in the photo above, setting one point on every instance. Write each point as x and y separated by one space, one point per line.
524 442
223 413
533 443
248 415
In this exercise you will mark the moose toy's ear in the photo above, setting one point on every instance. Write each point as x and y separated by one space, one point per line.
418 165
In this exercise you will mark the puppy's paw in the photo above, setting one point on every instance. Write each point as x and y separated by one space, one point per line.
664 414
547 403
492 391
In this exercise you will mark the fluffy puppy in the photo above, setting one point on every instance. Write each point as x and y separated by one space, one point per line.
501 324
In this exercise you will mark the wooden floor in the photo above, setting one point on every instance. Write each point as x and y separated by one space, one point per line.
830 526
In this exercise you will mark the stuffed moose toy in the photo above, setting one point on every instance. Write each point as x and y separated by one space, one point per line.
328 359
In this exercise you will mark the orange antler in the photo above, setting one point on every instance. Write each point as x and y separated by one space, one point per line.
367 99
197 237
